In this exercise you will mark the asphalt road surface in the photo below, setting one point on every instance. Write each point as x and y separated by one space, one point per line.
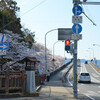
90 90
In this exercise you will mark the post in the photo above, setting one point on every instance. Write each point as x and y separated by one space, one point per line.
3 33
75 70
76 2
46 49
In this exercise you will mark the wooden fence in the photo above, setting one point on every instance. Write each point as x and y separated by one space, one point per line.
13 83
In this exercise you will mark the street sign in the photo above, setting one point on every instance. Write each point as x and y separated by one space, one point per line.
2 52
76 36
77 10
2 37
76 19
4 46
64 33
76 28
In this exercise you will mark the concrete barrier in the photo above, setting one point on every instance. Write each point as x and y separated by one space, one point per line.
60 68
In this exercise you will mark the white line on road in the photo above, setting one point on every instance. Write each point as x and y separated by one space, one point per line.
83 68
95 70
89 97
95 75
99 86
98 91
95 80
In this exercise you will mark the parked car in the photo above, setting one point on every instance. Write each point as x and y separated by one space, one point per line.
84 77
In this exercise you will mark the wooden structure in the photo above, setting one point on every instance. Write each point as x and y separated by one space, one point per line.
30 63
12 83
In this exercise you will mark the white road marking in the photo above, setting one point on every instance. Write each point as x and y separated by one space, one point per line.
83 68
99 86
78 90
95 75
89 96
98 91
82 84
95 70
92 92
95 80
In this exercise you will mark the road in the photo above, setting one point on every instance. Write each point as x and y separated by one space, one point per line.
91 90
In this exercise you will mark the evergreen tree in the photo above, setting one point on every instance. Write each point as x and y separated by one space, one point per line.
8 10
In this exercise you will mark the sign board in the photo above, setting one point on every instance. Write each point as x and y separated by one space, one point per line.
4 46
2 37
77 10
76 19
2 52
64 33
76 36
76 28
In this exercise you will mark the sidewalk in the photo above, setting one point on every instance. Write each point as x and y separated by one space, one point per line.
55 90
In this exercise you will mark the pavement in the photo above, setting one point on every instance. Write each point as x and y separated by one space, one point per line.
55 90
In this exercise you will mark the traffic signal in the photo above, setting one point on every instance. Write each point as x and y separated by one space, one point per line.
67 45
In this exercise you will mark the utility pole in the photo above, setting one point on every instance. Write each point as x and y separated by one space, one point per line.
77 10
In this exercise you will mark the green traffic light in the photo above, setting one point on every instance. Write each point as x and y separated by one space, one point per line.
67 47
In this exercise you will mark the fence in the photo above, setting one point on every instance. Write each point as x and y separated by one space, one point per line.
12 83
37 80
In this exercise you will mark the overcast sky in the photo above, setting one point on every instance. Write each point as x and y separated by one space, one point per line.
41 16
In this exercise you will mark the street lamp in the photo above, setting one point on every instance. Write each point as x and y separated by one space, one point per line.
93 52
89 54
45 48
96 45
54 47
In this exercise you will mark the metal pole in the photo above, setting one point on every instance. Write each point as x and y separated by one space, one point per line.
3 33
93 52
46 50
54 48
76 2
75 70
90 3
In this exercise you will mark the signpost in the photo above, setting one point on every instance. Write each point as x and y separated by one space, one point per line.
2 52
76 28
77 10
76 36
4 46
76 19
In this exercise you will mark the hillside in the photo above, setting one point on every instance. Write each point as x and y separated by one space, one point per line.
19 49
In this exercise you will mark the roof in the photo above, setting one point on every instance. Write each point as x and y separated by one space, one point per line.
32 59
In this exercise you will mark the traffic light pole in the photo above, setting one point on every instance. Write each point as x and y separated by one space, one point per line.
75 70
75 61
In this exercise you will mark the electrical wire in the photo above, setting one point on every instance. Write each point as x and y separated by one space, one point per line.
25 13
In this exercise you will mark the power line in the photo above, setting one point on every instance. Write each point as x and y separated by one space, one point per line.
34 7
26 12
